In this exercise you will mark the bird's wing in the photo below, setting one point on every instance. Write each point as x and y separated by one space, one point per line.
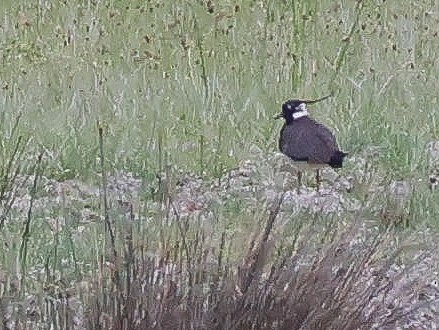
309 141
324 145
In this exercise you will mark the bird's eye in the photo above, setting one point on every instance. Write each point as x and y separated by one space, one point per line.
289 106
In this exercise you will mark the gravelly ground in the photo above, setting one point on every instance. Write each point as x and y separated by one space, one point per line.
258 181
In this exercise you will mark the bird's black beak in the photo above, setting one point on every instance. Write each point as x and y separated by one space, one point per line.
278 116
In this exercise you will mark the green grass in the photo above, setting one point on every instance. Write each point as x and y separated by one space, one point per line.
206 85
178 89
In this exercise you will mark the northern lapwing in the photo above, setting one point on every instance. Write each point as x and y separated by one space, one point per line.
308 143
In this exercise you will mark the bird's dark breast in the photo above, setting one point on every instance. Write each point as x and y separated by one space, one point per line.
281 141
289 143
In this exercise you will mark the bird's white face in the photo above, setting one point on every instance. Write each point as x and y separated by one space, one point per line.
302 107
300 111
293 109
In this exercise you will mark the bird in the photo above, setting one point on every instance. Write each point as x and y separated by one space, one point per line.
310 144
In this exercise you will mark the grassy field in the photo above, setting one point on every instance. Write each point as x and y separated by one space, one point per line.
183 88
173 83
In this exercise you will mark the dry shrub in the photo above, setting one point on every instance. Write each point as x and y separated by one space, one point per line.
353 280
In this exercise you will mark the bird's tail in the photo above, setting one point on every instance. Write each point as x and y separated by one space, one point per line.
336 160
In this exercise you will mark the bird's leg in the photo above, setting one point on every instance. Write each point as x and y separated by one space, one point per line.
299 181
318 179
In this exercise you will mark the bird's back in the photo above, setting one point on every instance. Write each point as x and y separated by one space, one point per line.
306 140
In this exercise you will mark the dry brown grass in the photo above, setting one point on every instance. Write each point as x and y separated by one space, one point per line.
347 282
